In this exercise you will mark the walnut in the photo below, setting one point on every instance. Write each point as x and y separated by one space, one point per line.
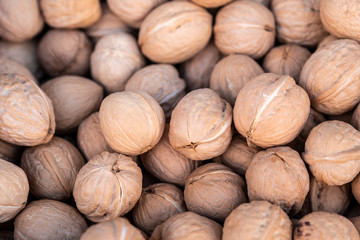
355 118
211 3
8 66
356 222
10 152
326 40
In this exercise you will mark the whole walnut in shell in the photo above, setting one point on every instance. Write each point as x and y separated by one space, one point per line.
52 168
14 190
162 82
332 152
231 73
277 112
211 3
244 27
269 170
107 186
326 40
200 125
257 220
162 32
10 152
49 219
9 66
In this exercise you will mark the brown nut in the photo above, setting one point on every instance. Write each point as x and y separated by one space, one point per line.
14 190
277 112
162 32
200 125
157 203
162 82
355 187
8 66
326 40
26 113
263 184
244 27
356 222
49 219
108 186
257 220
231 73
332 152
211 3
10 152
355 118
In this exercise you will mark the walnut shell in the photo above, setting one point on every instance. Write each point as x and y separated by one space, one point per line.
10 152
355 188
277 112
211 3
107 186
118 228
70 13
326 40
161 33
49 219
324 225
356 222
257 220
269 170
8 66
231 73
331 77
115 58
200 125
26 113
14 190
157 203
162 82
332 152
74 98
355 118
65 52
244 27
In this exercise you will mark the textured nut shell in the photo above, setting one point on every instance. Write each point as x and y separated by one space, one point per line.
162 32
10 152
52 168
118 228
355 119
115 58
231 73
324 225
326 40
332 152
74 98
278 175
244 27
331 77
108 186
162 82
14 190
314 119
34 221
214 190
286 60
277 112
157 203
90 138
257 220
63 52
211 3
20 20
356 222
26 113
200 125
70 13
8 66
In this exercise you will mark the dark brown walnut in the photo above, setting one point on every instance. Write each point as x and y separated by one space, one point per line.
211 3
108 186
356 222
331 77
278 175
188 226
200 125
26 113
14 190
332 152
355 118
326 40
257 220
8 66
271 110
231 73
118 228
20 20
52 168
197 70
49 219
157 203
324 226
10 152
74 98
214 190
244 27
90 138
286 60
65 52
162 82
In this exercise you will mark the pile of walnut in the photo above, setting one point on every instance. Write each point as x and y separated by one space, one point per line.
180 120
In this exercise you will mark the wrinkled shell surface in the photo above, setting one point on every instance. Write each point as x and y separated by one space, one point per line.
211 3
12 67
